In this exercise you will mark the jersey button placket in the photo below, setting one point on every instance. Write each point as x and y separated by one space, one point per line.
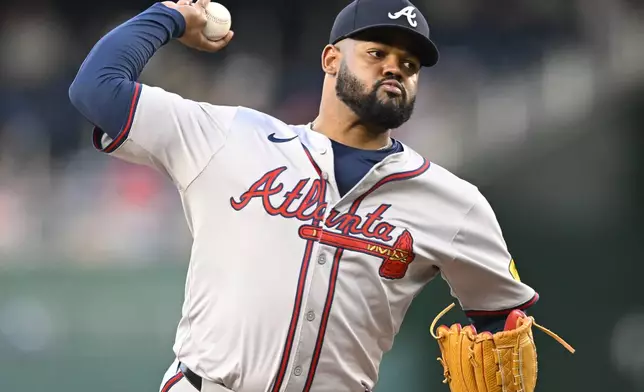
310 322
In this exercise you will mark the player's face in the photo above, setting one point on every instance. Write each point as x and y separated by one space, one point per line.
378 82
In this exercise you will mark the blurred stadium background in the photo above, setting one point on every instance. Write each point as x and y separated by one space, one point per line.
539 103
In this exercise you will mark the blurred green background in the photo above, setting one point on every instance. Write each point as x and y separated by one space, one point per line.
540 104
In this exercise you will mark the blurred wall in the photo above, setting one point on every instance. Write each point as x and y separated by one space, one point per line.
540 104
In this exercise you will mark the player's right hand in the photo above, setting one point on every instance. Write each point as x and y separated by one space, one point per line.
195 17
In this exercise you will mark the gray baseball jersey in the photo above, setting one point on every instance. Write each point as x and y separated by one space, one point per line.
290 286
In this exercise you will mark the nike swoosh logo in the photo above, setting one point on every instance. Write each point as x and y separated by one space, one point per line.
274 139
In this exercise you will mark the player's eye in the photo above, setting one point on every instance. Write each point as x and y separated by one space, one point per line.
411 66
377 53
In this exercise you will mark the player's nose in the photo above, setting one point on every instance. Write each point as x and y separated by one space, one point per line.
391 67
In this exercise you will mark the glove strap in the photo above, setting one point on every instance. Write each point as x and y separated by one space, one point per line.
554 336
438 316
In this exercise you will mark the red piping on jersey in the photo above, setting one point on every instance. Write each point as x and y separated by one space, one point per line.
295 316
122 136
336 267
315 165
171 382
503 312
325 319
393 177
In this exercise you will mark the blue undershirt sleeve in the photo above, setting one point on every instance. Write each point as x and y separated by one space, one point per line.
491 324
104 88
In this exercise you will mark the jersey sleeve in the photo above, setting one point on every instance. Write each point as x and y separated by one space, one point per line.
482 274
172 134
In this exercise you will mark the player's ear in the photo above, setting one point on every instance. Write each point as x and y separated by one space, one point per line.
331 60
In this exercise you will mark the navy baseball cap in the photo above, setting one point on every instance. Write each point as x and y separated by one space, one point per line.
363 15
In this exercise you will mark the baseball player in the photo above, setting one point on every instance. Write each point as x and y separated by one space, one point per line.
310 241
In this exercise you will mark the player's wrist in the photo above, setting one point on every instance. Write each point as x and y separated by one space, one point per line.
177 21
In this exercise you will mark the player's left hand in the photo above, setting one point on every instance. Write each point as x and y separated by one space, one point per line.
487 360
195 16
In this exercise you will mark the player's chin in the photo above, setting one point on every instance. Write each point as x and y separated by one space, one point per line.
391 97
393 101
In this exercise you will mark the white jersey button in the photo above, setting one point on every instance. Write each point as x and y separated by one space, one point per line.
310 315
297 371
322 259
325 175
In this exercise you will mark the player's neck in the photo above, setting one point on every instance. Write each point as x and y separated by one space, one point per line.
342 125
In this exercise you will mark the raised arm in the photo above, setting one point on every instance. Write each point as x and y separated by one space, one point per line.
146 124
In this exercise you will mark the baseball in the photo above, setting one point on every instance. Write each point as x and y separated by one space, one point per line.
218 21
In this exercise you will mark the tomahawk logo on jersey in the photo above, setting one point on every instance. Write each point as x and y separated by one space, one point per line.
287 275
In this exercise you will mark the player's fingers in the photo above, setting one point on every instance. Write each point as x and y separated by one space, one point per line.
222 42
227 37
198 13
214 46
203 3
201 7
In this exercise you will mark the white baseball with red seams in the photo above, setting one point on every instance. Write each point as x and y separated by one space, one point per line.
218 21
292 287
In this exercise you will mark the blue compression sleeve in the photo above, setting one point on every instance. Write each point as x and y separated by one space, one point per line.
104 87
492 324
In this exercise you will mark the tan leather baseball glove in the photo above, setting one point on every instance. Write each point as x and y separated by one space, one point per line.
484 362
